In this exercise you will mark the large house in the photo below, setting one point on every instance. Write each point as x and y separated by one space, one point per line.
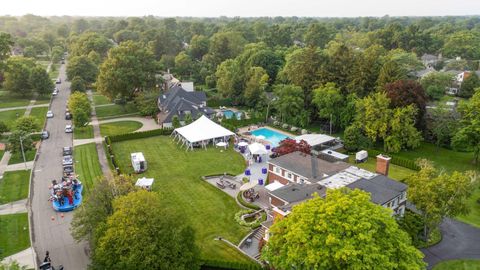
177 101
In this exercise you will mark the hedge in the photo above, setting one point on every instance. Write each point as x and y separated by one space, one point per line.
244 203
254 224
138 135
233 124
404 162
229 265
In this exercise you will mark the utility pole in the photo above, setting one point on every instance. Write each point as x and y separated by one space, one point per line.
330 124
23 152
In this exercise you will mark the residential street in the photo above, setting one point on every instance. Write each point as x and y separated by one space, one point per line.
460 241
51 231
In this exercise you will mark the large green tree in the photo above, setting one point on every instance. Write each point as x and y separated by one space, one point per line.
469 84
152 237
87 42
468 136
128 68
329 102
17 76
289 104
27 124
255 86
343 231
465 44
82 67
435 84
390 72
40 80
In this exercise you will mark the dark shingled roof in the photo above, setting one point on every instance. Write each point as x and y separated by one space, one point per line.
301 164
381 188
296 192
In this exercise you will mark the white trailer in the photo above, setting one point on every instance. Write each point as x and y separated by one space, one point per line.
139 163
361 156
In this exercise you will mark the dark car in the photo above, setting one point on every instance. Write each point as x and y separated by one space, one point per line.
45 135
68 116
67 151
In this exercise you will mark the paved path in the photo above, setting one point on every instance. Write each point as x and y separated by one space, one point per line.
4 162
148 123
47 234
14 207
24 107
102 157
19 166
78 142
23 258
460 241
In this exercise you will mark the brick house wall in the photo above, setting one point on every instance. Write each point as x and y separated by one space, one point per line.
274 201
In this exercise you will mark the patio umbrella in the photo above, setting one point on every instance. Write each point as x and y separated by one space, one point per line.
242 144
261 137
222 144
248 186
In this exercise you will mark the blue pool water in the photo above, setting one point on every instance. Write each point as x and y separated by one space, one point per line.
229 114
270 135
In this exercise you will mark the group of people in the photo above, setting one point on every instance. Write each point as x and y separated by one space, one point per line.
67 188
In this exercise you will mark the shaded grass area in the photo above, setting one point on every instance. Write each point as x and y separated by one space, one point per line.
83 132
40 115
473 202
396 172
177 175
14 186
115 110
458 265
121 127
9 117
18 158
87 166
1 154
14 235
6 102
100 100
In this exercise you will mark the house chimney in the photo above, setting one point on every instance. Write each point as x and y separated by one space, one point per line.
383 163
314 165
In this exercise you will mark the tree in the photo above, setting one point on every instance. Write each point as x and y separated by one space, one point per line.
87 42
83 67
188 119
26 124
406 92
151 237
56 54
435 84
289 103
317 35
146 103
128 68
468 136
328 101
464 44
198 46
365 71
373 113
438 194
390 72
443 124
229 81
80 118
290 145
183 64
79 101
14 144
468 85
40 81
225 45
255 86
78 84
6 44
17 76
343 231
12 265
176 121
354 139
402 134
3 127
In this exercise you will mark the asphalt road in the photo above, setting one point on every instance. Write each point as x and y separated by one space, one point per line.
50 231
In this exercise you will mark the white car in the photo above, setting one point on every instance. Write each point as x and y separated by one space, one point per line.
68 129
49 114
55 93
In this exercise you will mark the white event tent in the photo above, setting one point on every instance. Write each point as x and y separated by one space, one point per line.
201 132
257 149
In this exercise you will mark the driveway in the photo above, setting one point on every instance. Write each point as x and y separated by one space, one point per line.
50 231
460 241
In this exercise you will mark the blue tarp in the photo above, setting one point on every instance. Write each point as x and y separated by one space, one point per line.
66 207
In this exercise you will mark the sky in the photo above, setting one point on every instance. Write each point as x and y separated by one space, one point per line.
242 8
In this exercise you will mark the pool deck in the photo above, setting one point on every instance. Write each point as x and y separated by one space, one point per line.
251 138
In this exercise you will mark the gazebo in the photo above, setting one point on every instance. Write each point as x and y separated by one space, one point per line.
200 133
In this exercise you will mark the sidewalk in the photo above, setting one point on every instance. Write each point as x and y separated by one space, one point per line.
19 166
4 162
14 207
24 107
78 142
24 258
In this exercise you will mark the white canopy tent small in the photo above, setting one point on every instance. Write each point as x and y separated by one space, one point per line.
257 149
144 183
201 131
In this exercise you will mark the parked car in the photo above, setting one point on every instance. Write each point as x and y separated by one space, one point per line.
58 81
49 114
68 169
67 160
67 151
68 116
68 129
54 93
45 135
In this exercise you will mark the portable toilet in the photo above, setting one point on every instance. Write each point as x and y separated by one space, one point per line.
139 163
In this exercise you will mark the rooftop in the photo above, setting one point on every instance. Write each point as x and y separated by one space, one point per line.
381 188
346 177
315 139
296 192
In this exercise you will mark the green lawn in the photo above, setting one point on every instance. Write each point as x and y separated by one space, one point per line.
14 235
41 115
87 166
83 132
473 217
100 99
1 154
54 74
14 186
458 265
18 158
395 172
120 127
115 110
6 102
9 117
177 178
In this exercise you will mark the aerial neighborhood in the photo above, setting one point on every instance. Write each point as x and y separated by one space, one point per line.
239 142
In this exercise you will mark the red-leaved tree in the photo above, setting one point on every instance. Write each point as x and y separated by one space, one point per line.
405 92
290 145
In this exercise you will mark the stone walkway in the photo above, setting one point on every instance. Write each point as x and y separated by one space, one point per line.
78 142
19 166
4 162
28 107
14 207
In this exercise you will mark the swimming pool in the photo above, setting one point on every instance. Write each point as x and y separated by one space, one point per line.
229 114
271 135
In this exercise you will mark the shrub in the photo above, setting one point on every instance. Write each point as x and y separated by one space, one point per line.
138 135
244 203
407 163
254 224
228 265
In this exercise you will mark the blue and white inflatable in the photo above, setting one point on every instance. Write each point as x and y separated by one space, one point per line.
66 207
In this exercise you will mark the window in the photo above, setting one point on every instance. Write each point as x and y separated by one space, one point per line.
277 170
302 181
289 176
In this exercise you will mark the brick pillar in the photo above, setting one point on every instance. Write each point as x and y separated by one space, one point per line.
383 163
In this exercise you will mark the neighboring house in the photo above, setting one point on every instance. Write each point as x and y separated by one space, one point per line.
460 77
430 60
177 101
424 72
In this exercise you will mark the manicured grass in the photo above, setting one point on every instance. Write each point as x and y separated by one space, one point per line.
6 102
1 154
54 73
177 175
120 127
87 166
100 100
14 186
41 115
83 132
9 117
473 217
14 235
18 158
458 265
395 172
115 110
